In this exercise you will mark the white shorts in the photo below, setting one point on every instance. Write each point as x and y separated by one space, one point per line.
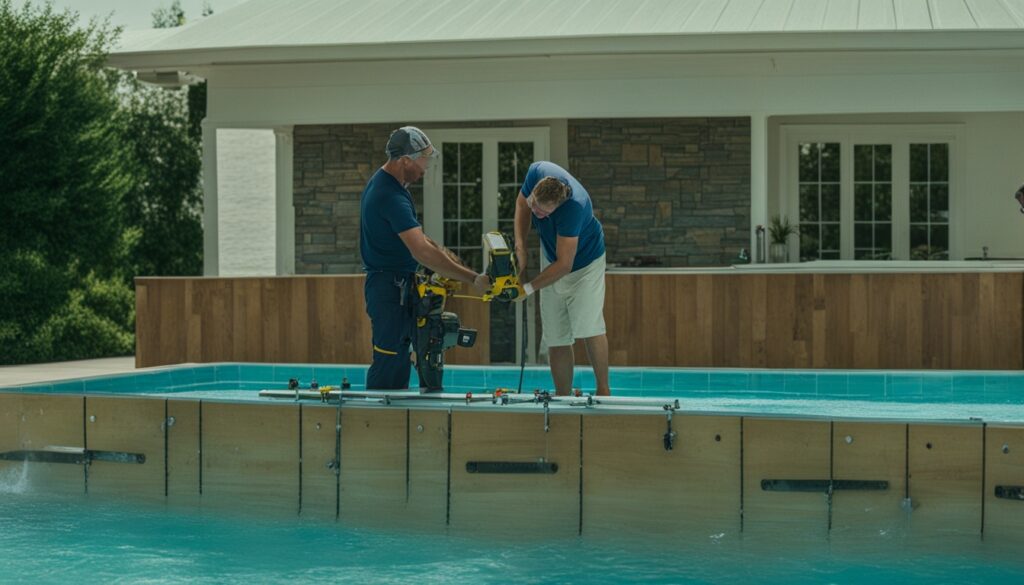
573 307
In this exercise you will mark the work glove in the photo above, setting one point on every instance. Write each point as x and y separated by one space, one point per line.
521 294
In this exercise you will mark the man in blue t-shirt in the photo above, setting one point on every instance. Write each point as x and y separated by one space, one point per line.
392 245
572 286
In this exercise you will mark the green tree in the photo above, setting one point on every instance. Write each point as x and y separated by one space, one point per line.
170 17
163 204
62 240
163 137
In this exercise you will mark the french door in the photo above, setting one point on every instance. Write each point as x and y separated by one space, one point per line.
472 190
871 192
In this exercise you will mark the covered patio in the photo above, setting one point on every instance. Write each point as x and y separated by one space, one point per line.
691 123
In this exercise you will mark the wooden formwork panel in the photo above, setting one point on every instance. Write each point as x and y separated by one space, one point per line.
784 449
373 466
10 418
319 467
428 470
251 456
1004 466
128 425
183 456
632 483
945 475
515 504
45 421
869 452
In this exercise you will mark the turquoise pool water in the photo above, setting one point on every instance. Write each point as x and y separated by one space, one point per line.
83 541
903 395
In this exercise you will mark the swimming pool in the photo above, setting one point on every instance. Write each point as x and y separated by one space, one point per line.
867 461
48 539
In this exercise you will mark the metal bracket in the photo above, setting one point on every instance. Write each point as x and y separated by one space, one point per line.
670 435
545 398
74 455
1010 492
542 467
826 486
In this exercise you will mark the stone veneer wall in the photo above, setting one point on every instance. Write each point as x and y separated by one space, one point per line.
332 165
677 189
674 188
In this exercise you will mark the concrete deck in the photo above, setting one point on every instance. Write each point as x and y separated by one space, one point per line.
30 373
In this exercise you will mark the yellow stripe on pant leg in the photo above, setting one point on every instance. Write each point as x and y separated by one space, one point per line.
384 351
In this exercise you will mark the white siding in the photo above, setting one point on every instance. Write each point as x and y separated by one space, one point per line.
246 197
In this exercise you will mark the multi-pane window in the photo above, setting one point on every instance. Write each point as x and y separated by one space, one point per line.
462 185
871 192
818 164
872 202
929 201
514 159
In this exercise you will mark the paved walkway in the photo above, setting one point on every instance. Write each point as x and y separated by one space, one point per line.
29 373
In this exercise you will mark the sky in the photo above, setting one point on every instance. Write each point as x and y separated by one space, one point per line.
135 14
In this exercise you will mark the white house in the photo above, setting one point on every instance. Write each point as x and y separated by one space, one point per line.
885 128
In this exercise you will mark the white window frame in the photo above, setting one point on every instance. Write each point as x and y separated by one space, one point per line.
900 136
433 194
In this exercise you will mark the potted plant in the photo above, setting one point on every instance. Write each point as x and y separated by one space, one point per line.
779 230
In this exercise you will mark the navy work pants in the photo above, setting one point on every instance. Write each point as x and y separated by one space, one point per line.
390 298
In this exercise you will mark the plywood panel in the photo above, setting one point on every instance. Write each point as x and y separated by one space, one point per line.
869 452
373 466
251 456
515 505
128 425
632 484
784 449
1004 466
319 466
11 472
183 452
47 421
428 470
945 475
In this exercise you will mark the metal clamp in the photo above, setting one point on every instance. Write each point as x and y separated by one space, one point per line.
669 438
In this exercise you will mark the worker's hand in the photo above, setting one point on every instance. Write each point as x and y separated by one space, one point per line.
521 257
522 294
482 283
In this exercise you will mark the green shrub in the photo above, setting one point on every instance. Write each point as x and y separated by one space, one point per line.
95 321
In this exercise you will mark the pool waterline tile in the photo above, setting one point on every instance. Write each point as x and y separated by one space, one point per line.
801 383
690 381
906 387
729 382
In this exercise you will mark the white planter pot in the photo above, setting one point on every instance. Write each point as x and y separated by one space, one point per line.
778 253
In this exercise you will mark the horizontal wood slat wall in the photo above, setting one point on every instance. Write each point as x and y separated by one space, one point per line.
890 321
300 319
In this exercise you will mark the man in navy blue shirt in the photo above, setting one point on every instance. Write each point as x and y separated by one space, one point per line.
392 245
572 285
